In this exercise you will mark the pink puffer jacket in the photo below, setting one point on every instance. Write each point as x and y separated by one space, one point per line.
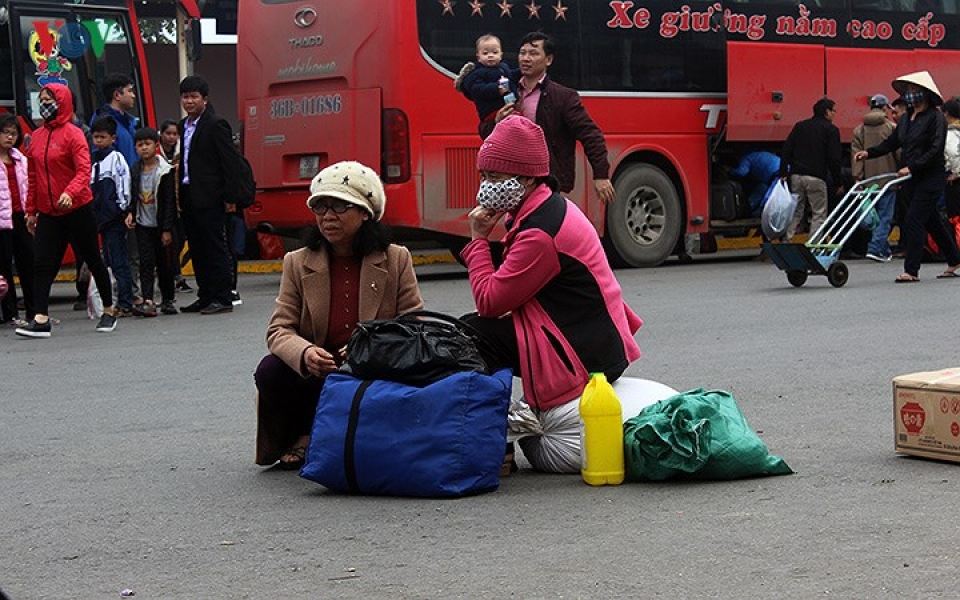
23 183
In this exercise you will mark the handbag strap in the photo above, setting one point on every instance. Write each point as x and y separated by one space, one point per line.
462 325
349 444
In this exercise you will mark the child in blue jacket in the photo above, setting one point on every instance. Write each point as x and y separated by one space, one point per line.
110 182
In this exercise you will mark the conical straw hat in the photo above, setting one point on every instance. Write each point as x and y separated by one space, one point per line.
921 78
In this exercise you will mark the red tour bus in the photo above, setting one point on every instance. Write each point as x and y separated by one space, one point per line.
671 84
73 43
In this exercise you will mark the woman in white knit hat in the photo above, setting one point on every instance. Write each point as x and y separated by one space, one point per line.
348 272
553 311
920 136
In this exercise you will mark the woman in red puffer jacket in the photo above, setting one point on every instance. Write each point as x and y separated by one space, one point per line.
59 207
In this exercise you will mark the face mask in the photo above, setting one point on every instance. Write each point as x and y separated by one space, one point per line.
48 111
913 98
500 196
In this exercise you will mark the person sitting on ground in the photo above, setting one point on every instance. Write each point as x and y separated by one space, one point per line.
152 215
920 137
489 82
348 272
553 311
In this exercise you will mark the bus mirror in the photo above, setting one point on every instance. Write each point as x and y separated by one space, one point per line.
194 43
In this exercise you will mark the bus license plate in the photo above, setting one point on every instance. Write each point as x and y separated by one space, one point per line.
309 166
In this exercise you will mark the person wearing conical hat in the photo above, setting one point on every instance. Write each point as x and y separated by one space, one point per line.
920 136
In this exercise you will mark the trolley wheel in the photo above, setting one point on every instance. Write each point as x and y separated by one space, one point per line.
837 274
797 278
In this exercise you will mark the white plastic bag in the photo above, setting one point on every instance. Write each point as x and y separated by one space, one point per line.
556 448
94 302
778 210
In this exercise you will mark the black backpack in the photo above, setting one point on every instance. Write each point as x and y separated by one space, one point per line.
246 186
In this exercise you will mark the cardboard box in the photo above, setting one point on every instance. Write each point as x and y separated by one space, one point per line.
926 409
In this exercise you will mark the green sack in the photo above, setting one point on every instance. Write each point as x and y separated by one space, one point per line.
697 434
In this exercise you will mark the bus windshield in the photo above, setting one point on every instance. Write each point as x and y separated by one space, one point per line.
73 45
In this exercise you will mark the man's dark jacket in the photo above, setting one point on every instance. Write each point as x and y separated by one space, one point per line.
214 162
813 148
564 121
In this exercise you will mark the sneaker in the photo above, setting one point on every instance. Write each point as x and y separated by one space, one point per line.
235 298
107 323
80 305
183 286
145 309
34 330
168 308
878 258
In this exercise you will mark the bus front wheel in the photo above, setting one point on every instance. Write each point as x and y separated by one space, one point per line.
645 220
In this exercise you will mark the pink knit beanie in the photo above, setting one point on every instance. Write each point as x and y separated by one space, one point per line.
516 147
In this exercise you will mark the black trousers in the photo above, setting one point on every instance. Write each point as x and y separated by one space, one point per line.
205 228
155 258
8 306
288 402
922 218
24 257
78 227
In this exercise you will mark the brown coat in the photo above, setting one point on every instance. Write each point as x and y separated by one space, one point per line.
388 287
874 129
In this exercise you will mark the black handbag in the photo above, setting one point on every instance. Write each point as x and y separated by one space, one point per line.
416 348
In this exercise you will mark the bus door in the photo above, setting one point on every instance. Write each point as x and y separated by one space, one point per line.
771 86
74 45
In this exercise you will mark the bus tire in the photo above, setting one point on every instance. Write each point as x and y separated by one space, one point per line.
645 220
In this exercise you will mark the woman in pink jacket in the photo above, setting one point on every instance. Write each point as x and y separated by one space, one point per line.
13 245
553 310
58 207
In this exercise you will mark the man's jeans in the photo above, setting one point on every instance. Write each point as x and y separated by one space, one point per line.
114 237
879 244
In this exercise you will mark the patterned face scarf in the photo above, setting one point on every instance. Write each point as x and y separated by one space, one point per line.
913 98
501 196
48 110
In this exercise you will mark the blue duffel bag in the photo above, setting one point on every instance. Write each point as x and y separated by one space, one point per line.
446 439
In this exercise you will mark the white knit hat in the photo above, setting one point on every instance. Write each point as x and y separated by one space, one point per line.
921 78
351 182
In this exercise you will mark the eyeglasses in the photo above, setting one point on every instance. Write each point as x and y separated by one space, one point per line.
337 206
9 133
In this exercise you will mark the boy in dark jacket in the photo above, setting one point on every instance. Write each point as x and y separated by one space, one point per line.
110 182
153 215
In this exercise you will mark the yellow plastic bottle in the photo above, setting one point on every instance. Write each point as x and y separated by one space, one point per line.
601 433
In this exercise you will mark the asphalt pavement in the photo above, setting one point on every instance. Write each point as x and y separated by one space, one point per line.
126 462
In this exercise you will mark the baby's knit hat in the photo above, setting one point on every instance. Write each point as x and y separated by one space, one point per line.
351 182
516 147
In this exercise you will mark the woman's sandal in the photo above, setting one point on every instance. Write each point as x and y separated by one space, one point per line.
298 453
906 278
948 274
